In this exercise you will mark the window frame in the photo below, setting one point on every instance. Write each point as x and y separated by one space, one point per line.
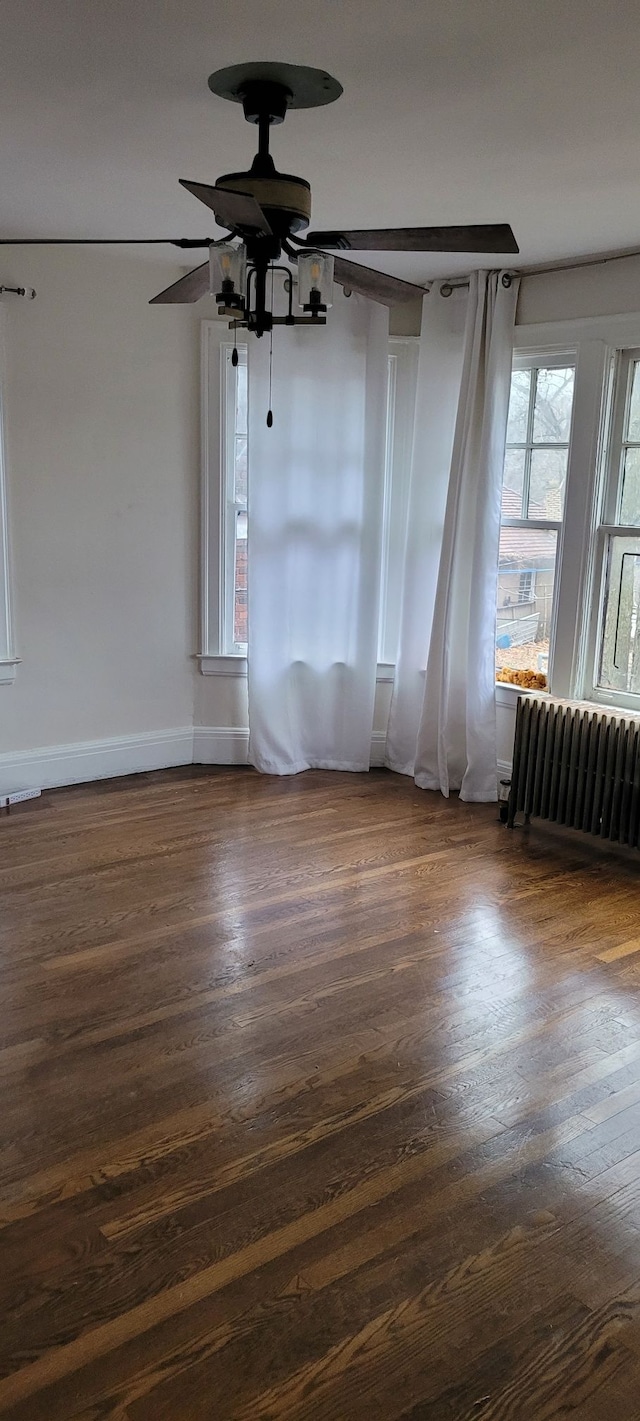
9 661
607 527
598 341
526 588
545 358
215 656
218 654
231 505
401 398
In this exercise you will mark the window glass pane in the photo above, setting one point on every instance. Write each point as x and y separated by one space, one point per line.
240 468
630 505
633 431
241 399
546 487
552 405
240 582
518 406
513 483
526 577
620 657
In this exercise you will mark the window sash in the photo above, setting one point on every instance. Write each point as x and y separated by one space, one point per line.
608 528
529 445
614 471
534 361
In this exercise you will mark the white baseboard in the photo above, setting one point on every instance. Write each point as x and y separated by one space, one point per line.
52 765
229 745
378 745
220 744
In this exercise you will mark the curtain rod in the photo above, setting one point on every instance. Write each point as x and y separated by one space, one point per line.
448 287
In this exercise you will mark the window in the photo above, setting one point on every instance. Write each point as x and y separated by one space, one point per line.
234 460
525 590
401 399
617 660
533 495
8 659
224 500
223 600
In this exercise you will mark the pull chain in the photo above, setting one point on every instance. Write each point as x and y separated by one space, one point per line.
270 411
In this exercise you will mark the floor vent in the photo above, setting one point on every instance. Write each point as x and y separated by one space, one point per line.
577 766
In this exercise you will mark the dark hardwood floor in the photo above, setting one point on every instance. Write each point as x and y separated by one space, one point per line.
320 1099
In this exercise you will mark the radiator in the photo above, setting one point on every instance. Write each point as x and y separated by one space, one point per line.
577 766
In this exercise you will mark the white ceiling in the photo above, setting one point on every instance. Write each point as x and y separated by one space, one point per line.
525 111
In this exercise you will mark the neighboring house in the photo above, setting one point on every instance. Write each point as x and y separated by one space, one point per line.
526 572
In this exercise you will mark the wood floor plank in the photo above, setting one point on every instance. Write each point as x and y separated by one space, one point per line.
321 1099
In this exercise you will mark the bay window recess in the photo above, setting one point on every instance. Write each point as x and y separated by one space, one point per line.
568 586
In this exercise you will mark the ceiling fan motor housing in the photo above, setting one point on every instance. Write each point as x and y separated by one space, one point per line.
285 199
266 92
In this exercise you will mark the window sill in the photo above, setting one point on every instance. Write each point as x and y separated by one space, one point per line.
234 665
211 665
8 670
507 694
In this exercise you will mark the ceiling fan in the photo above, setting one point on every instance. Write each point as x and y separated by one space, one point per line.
267 210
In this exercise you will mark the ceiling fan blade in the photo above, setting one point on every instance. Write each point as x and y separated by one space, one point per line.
238 211
488 237
189 288
387 290
187 242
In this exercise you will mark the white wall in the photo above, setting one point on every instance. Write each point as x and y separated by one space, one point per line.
102 420
605 290
222 701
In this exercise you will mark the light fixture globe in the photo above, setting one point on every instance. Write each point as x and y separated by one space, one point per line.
228 273
315 281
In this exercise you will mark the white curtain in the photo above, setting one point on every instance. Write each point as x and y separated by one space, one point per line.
443 724
316 487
